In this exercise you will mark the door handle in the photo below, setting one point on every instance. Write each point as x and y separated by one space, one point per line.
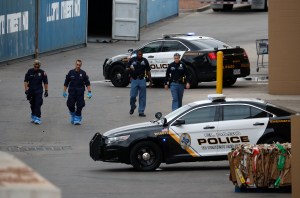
150 56
208 127
258 124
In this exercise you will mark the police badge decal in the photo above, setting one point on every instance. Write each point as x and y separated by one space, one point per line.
185 141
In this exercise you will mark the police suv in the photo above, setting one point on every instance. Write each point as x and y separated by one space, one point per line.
200 131
197 52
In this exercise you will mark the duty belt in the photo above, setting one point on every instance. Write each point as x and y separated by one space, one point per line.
138 78
177 81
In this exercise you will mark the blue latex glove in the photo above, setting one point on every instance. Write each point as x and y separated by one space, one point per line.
89 95
65 94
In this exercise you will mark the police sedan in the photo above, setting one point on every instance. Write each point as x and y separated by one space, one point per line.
200 131
199 53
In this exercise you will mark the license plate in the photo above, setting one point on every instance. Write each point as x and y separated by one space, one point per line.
236 72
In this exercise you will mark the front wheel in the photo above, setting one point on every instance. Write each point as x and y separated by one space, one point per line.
119 76
145 156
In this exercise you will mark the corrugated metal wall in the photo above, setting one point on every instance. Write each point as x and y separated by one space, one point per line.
161 9
17 29
143 13
61 24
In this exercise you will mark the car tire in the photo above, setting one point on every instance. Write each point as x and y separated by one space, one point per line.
274 140
216 9
229 82
158 83
119 76
145 156
193 78
228 7
266 8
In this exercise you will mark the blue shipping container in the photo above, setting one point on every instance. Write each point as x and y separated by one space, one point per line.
62 23
17 29
161 9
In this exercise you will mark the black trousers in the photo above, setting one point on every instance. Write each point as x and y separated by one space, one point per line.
76 103
36 103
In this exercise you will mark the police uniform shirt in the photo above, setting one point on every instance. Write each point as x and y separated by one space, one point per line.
140 67
176 72
35 79
77 80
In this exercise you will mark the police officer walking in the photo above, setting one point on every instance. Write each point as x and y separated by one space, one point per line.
75 81
177 79
139 68
33 84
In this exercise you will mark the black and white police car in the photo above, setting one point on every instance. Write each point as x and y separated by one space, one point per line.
197 52
200 131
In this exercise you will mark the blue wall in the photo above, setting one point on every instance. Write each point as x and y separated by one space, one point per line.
61 24
161 9
17 28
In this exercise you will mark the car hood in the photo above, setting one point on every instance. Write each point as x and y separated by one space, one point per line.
131 128
119 57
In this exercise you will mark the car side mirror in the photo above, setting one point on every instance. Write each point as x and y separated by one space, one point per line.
179 122
158 115
130 50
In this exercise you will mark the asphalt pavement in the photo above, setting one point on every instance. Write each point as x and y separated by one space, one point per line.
59 151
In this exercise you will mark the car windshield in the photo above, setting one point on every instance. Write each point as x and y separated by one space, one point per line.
209 44
177 112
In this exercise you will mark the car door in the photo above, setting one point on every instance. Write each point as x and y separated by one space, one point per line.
240 123
166 56
150 52
193 129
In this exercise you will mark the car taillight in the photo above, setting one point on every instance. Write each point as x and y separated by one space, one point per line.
212 56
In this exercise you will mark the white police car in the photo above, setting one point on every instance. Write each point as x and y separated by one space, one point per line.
197 52
199 131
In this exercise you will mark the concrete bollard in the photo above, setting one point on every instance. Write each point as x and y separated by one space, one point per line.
17 180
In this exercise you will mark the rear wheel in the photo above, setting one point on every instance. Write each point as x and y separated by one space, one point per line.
193 78
228 7
145 156
119 76
229 82
158 83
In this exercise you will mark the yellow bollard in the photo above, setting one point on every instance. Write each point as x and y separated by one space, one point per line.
219 88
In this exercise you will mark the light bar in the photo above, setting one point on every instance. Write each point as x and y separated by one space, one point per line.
214 97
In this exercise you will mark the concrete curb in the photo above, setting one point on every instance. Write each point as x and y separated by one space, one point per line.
17 180
206 7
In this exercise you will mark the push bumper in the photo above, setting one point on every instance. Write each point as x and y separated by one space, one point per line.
99 151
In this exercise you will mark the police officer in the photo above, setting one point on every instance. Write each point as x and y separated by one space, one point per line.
33 84
75 81
177 79
139 68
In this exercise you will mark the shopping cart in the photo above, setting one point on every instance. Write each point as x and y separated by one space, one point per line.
262 49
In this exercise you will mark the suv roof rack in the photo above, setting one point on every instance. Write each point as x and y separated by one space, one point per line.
178 34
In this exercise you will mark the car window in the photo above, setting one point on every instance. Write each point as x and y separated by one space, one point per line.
152 47
170 46
209 44
200 115
258 113
239 112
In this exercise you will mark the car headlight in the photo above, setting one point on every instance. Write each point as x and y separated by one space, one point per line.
112 140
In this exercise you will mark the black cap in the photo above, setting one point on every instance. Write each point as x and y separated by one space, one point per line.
176 54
